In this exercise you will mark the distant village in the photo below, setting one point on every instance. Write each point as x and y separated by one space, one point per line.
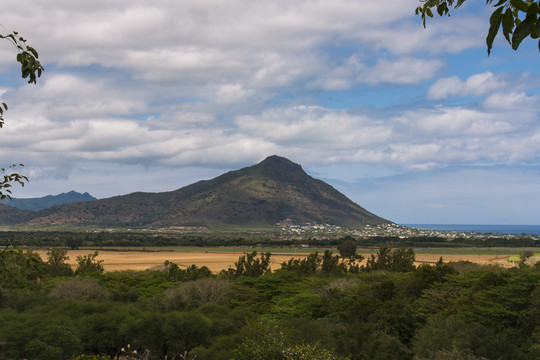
288 227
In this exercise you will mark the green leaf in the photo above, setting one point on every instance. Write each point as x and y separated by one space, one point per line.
520 5
459 3
522 31
442 9
537 27
508 24
429 12
33 51
532 11
495 22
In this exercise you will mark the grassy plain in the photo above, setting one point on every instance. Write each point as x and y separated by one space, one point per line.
220 258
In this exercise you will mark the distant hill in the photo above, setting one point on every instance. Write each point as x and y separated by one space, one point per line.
263 194
41 203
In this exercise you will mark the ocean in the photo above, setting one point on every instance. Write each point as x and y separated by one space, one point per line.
494 229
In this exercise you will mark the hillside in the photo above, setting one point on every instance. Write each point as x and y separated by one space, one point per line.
263 194
44 202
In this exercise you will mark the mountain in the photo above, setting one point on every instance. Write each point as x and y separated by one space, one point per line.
263 194
47 201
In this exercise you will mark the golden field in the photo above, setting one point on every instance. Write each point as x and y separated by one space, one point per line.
217 261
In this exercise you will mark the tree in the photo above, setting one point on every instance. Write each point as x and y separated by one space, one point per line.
185 331
400 260
88 264
57 262
250 265
518 19
17 265
347 249
31 68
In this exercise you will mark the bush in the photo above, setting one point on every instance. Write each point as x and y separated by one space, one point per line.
194 293
79 289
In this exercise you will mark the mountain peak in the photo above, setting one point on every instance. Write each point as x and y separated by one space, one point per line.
275 160
279 166
262 194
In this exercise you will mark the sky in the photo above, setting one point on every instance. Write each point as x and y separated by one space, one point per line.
416 125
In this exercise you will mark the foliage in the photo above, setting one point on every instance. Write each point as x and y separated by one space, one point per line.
18 266
79 289
263 340
27 56
327 264
308 351
449 333
40 336
57 262
92 357
524 256
8 178
303 266
31 68
88 264
347 249
400 260
518 19
250 265
186 330
431 312
195 293
192 272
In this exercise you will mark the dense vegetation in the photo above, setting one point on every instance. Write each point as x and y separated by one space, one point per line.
98 239
320 307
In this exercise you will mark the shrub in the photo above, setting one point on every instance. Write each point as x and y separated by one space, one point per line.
192 293
79 289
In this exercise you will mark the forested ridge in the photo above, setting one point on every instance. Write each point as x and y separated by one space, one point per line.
323 306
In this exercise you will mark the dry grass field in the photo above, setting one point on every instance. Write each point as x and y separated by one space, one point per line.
217 261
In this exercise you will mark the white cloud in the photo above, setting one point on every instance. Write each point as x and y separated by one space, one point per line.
510 101
477 84
445 87
230 93
132 87
401 71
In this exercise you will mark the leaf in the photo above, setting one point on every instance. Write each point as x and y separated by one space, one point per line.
508 24
459 3
532 10
522 31
495 23
442 9
520 5
429 12
33 51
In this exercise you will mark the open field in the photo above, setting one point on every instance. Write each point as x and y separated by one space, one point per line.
217 259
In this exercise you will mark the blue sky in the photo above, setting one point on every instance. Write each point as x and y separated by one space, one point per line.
416 125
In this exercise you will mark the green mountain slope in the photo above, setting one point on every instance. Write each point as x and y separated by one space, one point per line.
47 201
263 194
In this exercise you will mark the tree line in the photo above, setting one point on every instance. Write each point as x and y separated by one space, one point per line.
151 239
